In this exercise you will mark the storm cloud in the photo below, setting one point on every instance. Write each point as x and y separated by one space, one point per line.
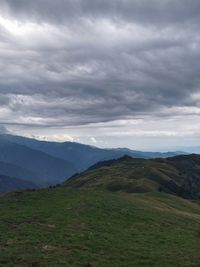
75 63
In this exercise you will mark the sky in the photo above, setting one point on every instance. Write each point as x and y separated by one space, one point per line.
110 73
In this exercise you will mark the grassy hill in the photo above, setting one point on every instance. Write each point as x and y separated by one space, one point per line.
84 227
94 221
179 175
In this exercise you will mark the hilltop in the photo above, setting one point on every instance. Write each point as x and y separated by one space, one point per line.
178 175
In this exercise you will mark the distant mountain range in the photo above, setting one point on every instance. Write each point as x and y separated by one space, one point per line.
192 149
41 169
8 183
46 163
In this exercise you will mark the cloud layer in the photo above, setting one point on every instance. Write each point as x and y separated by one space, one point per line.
72 63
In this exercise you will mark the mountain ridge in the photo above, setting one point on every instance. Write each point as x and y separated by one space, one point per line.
8 184
46 168
179 175
48 163
80 155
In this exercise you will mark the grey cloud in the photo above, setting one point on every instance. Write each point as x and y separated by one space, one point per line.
4 100
141 11
97 61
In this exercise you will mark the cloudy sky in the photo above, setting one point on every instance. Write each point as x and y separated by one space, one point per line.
112 73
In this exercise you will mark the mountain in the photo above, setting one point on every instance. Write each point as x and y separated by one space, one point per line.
22 178
178 175
11 184
149 155
79 155
192 149
43 169
47 163
13 170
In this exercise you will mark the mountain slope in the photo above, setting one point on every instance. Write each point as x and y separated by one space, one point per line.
70 227
11 184
12 170
81 156
22 178
179 175
46 169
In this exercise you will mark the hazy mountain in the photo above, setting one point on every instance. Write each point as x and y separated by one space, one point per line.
150 155
80 155
45 169
47 163
192 149
13 170
11 184
179 175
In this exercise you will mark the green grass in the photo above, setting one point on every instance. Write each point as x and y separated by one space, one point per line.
178 175
74 227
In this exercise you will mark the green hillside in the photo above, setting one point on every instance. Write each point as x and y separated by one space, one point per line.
178 175
91 226
71 227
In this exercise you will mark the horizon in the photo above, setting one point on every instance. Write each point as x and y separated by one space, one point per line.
189 150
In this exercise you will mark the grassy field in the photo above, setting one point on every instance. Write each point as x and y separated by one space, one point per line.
84 227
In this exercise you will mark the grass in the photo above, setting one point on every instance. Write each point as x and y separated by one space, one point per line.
86 227
178 175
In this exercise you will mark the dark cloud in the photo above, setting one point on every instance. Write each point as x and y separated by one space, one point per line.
141 11
79 62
